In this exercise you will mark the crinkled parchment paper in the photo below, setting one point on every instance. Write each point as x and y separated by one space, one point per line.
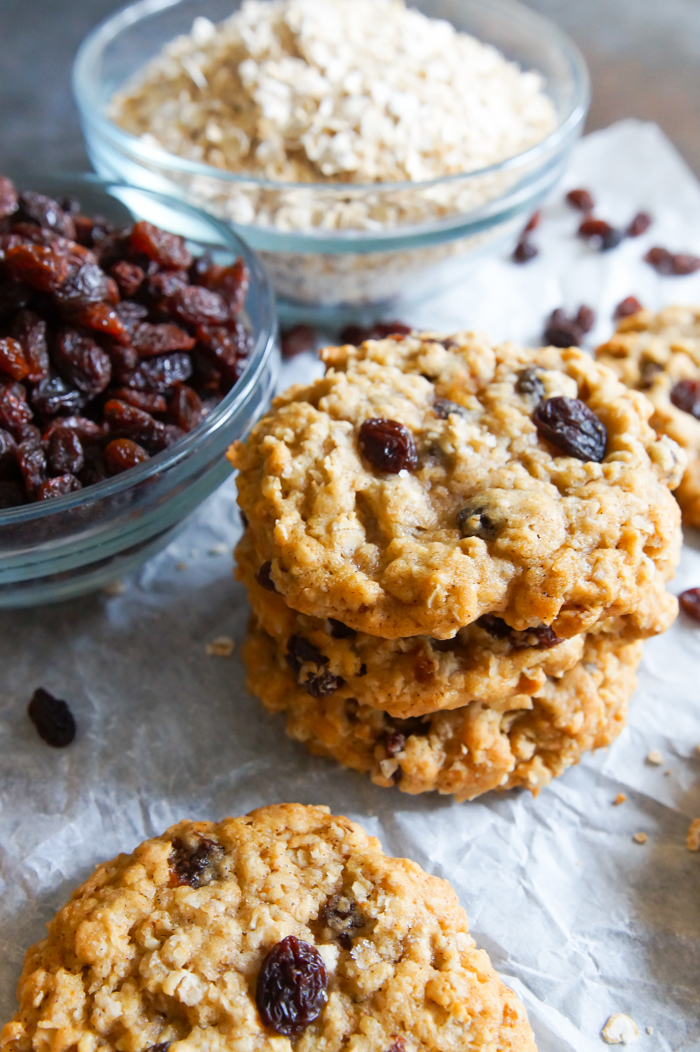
580 919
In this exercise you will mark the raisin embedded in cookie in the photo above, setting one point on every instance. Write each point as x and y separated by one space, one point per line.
424 482
487 661
659 354
286 929
525 740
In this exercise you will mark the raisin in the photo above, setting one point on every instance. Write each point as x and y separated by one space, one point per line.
151 340
581 199
572 427
53 395
32 465
542 637
665 262
38 266
126 421
533 222
339 630
562 331
14 411
291 989
13 295
12 360
164 285
394 743
639 225
297 340
158 374
167 250
344 918
85 284
196 305
65 452
388 445
397 1045
162 1046
524 251
223 350
185 407
124 360
58 486
86 429
585 318
685 395
8 462
602 233
356 334
473 520
12 495
530 383
630 305
264 579
300 651
146 400
194 864
230 282
444 409
320 682
44 212
611 239
102 318
122 454
131 314
128 276
8 197
30 330
82 362
690 603
52 719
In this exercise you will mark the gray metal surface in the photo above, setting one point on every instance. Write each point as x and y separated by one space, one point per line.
644 57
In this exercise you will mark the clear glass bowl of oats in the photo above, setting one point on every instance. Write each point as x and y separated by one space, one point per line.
368 152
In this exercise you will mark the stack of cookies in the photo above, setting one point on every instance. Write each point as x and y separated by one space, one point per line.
453 552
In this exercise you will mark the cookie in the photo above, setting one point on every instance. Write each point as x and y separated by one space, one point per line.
411 489
525 740
659 354
486 661
199 939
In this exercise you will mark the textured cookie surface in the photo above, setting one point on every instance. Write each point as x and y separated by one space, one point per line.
524 740
486 518
486 662
653 353
157 952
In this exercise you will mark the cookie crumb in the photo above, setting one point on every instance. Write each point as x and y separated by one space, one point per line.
620 1029
619 799
180 566
640 838
218 549
222 646
655 758
692 839
114 588
650 1030
666 773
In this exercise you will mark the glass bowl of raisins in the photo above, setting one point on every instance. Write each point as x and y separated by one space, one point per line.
138 339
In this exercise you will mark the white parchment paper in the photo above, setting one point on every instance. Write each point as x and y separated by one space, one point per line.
579 918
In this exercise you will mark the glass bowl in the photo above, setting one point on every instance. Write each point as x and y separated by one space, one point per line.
433 223
60 548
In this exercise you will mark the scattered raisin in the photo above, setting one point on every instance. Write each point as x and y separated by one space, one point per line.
524 251
52 719
669 263
298 339
585 318
600 232
444 408
530 383
388 445
194 864
262 576
563 331
685 395
572 427
639 225
122 454
626 307
690 603
291 988
357 334
533 222
581 199
339 630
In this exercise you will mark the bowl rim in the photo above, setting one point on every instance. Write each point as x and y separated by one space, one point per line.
218 417
106 30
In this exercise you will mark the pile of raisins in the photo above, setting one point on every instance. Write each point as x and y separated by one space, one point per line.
114 343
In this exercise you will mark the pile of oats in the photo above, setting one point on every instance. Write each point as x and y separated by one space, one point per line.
335 92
